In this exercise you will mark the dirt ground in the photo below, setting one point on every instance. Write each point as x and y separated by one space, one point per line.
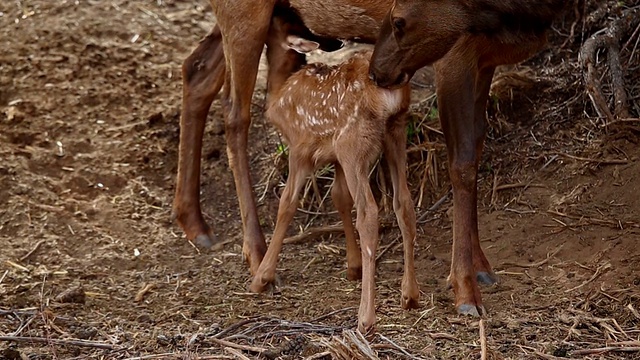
90 97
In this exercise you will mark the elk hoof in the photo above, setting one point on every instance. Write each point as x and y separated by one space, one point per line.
471 310
366 329
410 302
354 274
486 278
208 241
261 284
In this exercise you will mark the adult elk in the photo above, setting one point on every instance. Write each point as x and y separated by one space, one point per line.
465 39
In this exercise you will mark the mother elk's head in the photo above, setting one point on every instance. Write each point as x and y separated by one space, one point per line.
415 33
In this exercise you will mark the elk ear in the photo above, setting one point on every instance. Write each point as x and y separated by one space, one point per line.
301 45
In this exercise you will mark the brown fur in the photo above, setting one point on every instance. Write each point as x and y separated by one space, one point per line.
465 40
335 114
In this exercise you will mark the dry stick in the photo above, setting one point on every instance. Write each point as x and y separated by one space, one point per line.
154 356
322 317
434 207
573 26
322 230
626 343
240 324
517 185
314 232
35 248
601 161
494 191
237 353
230 344
537 263
145 289
594 220
599 271
397 347
604 350
386 248
483 341
319 355
74 342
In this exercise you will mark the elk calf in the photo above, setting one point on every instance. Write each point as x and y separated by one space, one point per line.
335 114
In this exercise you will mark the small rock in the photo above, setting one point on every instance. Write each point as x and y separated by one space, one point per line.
11 353
74 295
85 333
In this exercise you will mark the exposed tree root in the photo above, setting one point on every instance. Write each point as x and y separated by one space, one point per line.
609 40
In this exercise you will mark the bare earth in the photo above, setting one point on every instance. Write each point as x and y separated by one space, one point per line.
90 95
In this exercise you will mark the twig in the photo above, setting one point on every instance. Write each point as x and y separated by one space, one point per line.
600 161
237 353
318 355
74 342
322 317
396 346
603 350
445 336
615 224
599 271
35 248
517 185
239 324
145 289
314 232
483 341
434 207
386 248
537 263
153 356
322 230
229 344
17 266
494 191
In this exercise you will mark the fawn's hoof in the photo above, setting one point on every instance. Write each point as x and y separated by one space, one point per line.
354 274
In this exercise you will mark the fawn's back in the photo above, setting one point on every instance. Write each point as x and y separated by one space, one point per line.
321 107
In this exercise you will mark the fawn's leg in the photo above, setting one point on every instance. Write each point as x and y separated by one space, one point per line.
395 153
357 176
266 273
344 203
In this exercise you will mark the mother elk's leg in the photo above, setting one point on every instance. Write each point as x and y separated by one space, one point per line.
202 75
244 28
458 82
484 273
396 155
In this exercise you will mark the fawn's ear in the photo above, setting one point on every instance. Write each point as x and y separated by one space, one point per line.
300 45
